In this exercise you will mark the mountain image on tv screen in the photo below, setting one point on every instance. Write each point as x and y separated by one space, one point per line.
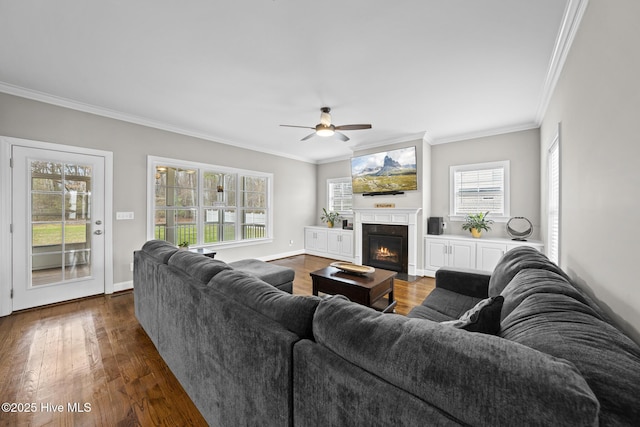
383 172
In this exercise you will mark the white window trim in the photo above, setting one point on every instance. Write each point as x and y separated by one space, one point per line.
152 161
504 164
555 145
337 181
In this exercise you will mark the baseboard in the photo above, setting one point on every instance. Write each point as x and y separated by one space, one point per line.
123 286
281 255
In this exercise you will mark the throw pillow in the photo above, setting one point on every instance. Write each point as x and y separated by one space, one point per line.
484 317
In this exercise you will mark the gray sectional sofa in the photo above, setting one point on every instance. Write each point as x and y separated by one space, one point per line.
250 354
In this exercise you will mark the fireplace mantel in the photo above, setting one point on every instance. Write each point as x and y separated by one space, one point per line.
407 216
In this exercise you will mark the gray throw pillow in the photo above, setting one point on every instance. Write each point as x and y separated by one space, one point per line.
484 317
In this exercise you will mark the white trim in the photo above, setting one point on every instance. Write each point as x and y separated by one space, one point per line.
281 255
505 165
486 133
343 180
555 143
152 161
6 306
570 23
130 118
123 286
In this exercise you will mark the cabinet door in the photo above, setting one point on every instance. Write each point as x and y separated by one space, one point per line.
462 254
436 253
309 238
333 242
489 254
321 240
346 247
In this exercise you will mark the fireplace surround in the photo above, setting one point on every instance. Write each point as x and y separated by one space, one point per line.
380 216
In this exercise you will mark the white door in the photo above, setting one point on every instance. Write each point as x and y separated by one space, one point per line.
58 235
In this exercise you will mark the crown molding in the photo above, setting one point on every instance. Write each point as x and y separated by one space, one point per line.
484 133
142 121
570 23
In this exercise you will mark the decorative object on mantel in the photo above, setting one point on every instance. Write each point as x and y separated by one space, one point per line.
384 205
519 228
350 268
475 223
329 217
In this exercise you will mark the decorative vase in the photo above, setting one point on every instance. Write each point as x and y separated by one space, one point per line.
476 233
330 224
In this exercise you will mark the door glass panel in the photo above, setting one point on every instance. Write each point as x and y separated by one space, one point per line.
60 222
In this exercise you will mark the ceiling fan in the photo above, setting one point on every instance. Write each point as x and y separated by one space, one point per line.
325 128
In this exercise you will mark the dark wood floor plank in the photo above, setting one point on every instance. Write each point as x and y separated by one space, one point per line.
94 351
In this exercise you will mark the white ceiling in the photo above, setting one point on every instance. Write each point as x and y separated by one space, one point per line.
233 71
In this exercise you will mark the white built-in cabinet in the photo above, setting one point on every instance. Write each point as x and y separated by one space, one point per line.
449 253
341 243
467 252
315 239
329 242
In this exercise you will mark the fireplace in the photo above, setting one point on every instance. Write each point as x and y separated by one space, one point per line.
385 246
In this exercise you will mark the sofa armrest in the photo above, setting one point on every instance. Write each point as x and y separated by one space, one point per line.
474 283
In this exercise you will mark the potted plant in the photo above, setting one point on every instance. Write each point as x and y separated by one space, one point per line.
476 223
329 217
183 246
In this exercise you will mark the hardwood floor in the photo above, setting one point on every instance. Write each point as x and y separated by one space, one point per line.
89 363
408 294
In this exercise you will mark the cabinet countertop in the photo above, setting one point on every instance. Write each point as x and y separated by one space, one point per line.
500 240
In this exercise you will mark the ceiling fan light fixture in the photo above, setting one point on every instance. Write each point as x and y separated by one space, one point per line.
322 130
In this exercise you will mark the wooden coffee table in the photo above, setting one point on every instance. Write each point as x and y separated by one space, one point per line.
367 289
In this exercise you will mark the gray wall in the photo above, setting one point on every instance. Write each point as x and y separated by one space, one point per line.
597 102
294 181
522 149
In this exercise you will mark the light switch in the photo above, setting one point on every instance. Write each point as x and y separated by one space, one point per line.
124 215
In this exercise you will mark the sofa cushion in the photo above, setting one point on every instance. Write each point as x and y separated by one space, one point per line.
271 273
428 313
294 312
159 250
449 303
484 317
478 379
199 267
558 322
515 260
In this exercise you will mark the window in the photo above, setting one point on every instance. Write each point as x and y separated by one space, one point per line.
480 187
553 202
207 205
340 195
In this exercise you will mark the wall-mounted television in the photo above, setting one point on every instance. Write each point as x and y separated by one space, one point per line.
386 172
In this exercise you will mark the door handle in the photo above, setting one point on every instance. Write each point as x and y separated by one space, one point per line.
98 232
98 222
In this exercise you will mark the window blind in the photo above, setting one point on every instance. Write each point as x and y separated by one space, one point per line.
480 190
553 203
340 195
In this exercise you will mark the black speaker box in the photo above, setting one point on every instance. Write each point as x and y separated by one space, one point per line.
435 225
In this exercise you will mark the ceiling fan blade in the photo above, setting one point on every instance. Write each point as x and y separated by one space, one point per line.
308 136
341 136
294 126
353 127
